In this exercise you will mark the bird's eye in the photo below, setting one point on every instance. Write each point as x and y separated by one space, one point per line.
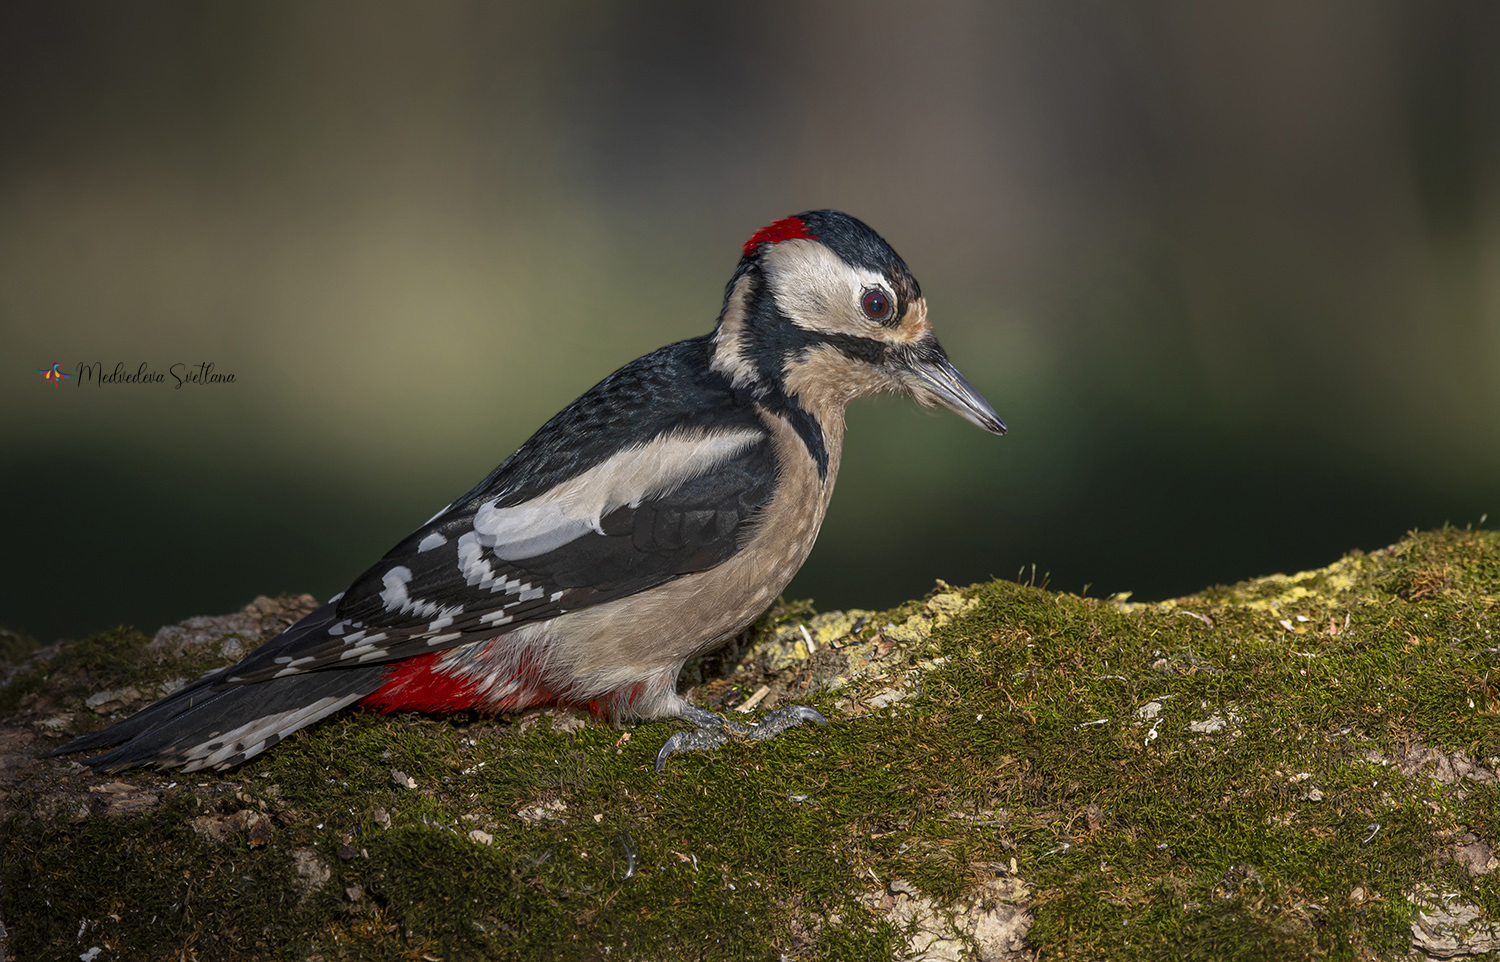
876 304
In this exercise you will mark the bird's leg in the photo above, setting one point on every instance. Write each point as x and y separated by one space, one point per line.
714 730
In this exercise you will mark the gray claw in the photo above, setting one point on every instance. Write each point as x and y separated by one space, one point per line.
700 740
789 717
714 730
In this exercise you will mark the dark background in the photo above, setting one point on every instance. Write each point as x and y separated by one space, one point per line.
1230 271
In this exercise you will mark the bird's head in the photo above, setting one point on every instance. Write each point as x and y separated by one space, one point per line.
822 310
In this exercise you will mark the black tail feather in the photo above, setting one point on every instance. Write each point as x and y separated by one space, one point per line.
212 723
147 718
223 728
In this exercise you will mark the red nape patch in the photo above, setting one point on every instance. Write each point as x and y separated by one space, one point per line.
788 228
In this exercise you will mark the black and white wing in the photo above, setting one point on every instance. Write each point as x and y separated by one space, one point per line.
627 488
649 513
656 472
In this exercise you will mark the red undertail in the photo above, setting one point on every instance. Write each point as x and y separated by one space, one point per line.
418 684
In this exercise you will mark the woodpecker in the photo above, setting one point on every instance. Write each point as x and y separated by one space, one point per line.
650 521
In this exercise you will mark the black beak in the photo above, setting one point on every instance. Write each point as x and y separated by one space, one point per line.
933 375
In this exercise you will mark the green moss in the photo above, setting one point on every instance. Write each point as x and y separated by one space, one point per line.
1286 831
1182 809
146 886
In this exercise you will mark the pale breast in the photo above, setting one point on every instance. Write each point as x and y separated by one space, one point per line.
616 643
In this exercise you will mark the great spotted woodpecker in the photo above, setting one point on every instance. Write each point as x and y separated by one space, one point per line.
651 520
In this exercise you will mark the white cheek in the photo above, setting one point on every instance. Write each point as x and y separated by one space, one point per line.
817 290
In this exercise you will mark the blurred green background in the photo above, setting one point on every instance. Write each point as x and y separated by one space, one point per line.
1231 272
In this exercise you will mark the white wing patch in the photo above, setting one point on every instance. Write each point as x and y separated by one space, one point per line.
579 505
472 564
529 529
394 594
396 599
478 573
544 523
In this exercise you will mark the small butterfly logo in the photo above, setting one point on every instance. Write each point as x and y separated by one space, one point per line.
54 374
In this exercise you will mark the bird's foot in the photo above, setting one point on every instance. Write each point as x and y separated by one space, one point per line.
714 730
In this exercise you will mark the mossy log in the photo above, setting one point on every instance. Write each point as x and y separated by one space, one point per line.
1292 767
